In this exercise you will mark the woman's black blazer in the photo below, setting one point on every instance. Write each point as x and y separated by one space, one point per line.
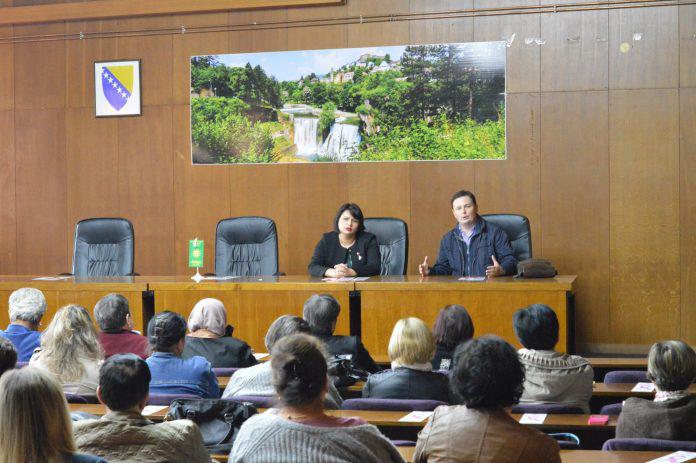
329 252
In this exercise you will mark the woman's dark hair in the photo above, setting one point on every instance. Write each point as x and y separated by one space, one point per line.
298 369
536 327
355 211
8 355
487 374
453 326
165 330
321 312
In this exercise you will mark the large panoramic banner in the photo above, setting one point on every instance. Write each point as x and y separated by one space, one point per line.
396 103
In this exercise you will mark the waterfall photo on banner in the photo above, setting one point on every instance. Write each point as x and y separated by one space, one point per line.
391 103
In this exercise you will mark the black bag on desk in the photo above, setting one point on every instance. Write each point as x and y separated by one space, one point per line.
219 420
535 268
344 372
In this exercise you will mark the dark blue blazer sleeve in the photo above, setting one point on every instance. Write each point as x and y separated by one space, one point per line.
442 265
503 252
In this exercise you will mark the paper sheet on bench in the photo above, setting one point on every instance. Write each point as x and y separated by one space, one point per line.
261 355
676 457
472 279
532 418
51 278
152 409
416 417
643 387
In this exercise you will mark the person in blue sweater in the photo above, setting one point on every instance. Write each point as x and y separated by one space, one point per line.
27 307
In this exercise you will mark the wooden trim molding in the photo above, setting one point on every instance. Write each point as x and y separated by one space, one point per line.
104 9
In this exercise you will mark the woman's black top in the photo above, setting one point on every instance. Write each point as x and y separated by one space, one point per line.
225 352
443 358
363 256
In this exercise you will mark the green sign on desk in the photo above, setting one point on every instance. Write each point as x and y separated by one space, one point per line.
196 253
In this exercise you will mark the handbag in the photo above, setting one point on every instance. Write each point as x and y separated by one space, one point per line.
535 268
219 420
344 372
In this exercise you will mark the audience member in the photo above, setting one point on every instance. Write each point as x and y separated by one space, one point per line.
34 422
27 307
452 327
8 356
550 377
172 374
116 324
256 380
123 434
487 377
411 350
672 415
210 337
321 312
70 350
300 431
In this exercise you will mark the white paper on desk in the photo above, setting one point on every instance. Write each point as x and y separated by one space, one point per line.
361 278
261 355
51 278
675 457
643 387
533 418
339 279
152 409
472 279
229 277
416 417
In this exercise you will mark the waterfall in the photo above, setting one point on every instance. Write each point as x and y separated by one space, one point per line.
306 136
342 142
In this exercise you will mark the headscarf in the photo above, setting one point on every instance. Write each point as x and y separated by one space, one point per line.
208 314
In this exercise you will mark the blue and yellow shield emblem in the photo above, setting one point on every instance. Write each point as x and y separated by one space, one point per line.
117 83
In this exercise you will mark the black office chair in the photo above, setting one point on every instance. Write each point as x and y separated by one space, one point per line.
517 229
246 246
103 247
392 237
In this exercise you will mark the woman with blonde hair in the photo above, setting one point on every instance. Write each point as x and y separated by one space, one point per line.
411 350
71 351
34 422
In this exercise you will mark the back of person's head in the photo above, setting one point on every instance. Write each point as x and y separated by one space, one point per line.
34 421
165 330
28 305
321 312
8 355
536 327
208 314
453 326
411 342
298 364
111 312
285 325
124 381
671 365
68 339
487 374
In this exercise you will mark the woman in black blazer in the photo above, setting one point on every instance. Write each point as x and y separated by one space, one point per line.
349 250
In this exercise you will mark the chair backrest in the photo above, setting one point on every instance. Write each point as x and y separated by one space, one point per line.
657 445
611 409
406 405
392 238
103 247
625 376
77 399
518 231
256 400
246 246
224 371
166 399
554 409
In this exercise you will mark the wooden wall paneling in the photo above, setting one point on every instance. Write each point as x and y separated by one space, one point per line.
512 185
312 38
8 214
576 53
383 33
315 193
39 69
644 48
687 204
523 60
644 215
155 53
40 172
146 187
687 45
257 40
574 201
442 30
432 185
6 70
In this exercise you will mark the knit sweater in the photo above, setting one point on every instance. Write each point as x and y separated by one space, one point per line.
268 438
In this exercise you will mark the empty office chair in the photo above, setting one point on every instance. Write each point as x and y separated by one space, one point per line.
657 445
406 405
246 246
517 229
103 247
626 376
392 238
553 409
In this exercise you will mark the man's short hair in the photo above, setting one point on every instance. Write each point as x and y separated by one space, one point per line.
27 304
321 312
671 365
536 327
8 355
124 381
461 194
111 312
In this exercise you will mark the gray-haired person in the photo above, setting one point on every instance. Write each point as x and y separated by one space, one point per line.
115 328
27 307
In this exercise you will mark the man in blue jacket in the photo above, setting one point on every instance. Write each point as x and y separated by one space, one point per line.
474 247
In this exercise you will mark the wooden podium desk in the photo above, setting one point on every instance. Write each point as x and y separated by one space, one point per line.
491 303
75 290
252 303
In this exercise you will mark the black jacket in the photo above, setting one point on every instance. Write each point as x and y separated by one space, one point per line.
225 352
443 358
407 383
350 345
329 253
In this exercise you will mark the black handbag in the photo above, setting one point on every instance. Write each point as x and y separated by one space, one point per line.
219 420
344 372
